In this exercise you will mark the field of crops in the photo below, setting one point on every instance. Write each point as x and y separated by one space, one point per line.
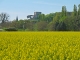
39 46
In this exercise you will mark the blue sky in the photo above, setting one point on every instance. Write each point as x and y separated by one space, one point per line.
22 8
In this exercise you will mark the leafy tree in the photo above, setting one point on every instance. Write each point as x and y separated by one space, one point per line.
49 17
30 26
75 10
14 24
61 26
79 10
57 16
64 11
41 26
52 25
41 17
17 18
72 23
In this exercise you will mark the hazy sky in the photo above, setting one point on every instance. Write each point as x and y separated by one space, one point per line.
22 8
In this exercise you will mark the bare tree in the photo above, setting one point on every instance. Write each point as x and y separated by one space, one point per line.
4 17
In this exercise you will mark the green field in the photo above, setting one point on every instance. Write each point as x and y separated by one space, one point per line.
39 45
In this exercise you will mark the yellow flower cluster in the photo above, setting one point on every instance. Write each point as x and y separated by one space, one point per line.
39 46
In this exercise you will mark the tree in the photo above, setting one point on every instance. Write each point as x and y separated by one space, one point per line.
64 11
78 9
49 17
17 18
41 26
75 10
52 25
72 23
61 26
29 25
41 17
14 24
4 17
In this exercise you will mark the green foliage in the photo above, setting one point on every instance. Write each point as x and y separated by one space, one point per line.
57 16
17 18
72 23
41 26
62 19
41 17
75 10
11 29
52 26
61 27
64 11
49 17
79 10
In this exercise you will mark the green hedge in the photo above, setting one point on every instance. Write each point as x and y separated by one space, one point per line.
11 29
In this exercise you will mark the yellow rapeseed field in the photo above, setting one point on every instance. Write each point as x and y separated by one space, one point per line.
39 45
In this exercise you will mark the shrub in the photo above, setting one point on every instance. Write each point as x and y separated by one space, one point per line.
11 29
1 29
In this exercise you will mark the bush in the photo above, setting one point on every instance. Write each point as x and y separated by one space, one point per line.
11 29
1 29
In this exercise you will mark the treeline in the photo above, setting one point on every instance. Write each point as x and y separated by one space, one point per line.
58 21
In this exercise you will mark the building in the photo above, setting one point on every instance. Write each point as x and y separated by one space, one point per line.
30 16
35 16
